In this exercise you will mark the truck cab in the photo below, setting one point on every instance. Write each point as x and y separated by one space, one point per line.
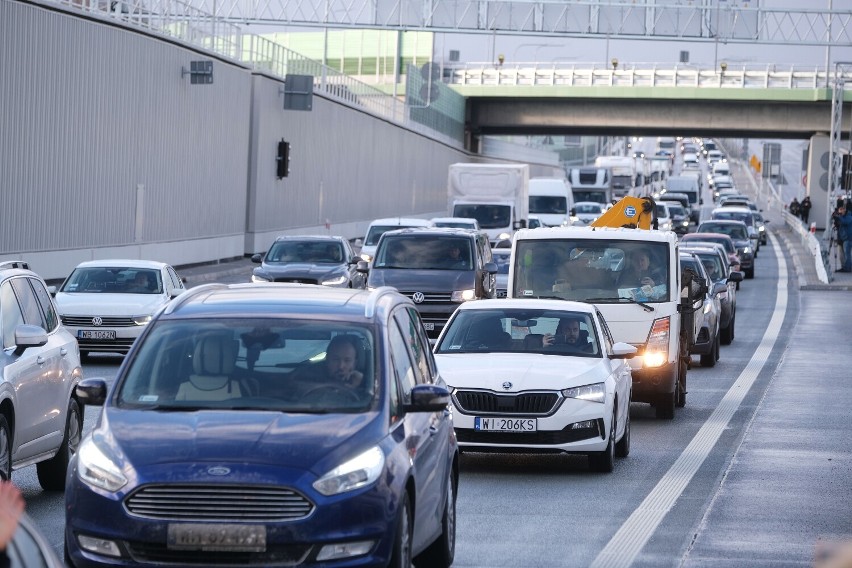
644 305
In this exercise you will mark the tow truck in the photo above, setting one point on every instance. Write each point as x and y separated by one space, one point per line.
590 264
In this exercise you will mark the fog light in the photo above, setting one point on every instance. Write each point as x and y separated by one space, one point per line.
99 546
344 550
583 425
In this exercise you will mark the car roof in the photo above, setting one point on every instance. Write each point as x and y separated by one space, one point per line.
595 233
281 300
122 263
527 304
335 238
589 203
453 220
699 236
412 221
731 209
434 232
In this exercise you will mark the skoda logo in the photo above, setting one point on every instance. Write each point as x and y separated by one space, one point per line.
418 297
507 385
630 211
218 471
97 320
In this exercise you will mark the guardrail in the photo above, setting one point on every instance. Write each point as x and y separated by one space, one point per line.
639 75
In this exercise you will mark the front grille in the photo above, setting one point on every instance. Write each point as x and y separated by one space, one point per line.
282 555
297 280
703 335
430 297
531 403
553 437
116 346
219 503
107 321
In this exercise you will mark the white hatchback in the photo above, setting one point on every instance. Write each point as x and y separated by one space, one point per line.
540 375
107 303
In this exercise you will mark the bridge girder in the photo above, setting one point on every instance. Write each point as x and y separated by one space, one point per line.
704 21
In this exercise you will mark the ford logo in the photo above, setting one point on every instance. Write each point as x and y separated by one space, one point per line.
219 471
97 320
418 297
507 385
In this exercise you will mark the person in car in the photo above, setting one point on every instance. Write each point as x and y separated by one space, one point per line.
641 272
453 257
712 269
568 337
140 284
341 364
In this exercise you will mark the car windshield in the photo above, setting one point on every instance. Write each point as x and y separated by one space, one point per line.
600 270
376 232
284 365
709 238
315 252
733 230
712 264
515 330
113 280
677 210
424 252
489 216
598 196
662 212
588 208
548 204
734 216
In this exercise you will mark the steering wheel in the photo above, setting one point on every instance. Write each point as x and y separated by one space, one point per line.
331 393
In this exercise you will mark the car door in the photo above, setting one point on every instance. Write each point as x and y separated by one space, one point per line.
428 432
621 372
36 375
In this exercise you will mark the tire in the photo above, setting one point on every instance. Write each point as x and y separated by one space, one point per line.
709 360
5 449
749 273
51 473
680 402
401 555
622 447
442 552
666 404
604 462
726 334
718 347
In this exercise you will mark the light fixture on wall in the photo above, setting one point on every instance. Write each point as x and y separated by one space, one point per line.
200 72
614 63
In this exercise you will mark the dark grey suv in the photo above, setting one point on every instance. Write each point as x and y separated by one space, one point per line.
40 418
437 268
325 260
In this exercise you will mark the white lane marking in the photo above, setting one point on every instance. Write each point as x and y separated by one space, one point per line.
632 536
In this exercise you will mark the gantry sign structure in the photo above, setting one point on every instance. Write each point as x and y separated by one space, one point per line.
729 21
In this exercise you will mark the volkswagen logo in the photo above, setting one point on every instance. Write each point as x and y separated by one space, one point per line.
507 385
97 320
418 297
218 471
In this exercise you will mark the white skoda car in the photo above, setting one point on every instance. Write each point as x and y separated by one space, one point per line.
537 375
107 303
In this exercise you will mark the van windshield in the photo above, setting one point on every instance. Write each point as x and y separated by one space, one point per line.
554 204
489 216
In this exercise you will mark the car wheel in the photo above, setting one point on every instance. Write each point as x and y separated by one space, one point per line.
442 552
51 473
666 404
749 273
604 462
401 555
681 387
5 449
709 360
718 348
622 448
726 334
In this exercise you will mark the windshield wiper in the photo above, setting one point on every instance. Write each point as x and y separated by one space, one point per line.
647 307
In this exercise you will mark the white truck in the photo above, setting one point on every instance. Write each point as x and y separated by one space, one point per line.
623 169
591 184
599 265
496 195
551 201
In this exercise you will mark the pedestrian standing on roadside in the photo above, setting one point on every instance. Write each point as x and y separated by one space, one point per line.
835 216
795 207
806 208
844 233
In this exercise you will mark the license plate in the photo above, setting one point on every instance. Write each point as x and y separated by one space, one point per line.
429 326
505 424
224 537
95 334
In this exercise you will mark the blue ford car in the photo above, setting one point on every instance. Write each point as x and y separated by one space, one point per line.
269 425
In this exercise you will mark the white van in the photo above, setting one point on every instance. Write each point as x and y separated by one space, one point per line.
552 201
381 226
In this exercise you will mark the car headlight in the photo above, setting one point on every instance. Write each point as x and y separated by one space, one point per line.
367 257
259 278
686 223
746 250
336 281
761 229
503 236
142 320
358 472
95 468
591 393
463 295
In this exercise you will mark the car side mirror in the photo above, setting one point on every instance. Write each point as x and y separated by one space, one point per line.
91 391
720 287
52 291
623 350
257 258
428 398
28 335
363 266
490 267
736 276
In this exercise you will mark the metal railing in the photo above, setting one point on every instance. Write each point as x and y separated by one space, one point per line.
638 75
181 21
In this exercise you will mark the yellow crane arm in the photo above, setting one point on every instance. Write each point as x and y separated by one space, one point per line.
629 212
